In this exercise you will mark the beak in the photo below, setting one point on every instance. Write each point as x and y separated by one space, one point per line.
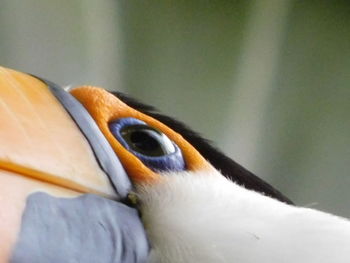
42 140
43 148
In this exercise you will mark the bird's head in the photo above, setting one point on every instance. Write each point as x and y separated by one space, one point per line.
89 140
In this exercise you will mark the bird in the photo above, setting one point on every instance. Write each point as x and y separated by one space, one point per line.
89 175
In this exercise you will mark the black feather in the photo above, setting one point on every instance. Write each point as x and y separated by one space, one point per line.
220 161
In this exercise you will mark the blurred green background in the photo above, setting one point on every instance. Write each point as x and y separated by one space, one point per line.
267 81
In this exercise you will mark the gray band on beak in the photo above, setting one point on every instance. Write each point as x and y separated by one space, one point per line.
104 153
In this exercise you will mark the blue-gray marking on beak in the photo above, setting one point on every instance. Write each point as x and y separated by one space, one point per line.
87 228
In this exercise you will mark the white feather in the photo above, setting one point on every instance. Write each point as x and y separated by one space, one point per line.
203 217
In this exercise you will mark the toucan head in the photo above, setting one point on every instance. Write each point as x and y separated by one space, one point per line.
88 140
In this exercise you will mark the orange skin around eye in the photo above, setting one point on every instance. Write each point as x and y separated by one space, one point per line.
104 107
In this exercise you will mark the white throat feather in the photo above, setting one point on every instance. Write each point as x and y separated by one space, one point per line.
204 217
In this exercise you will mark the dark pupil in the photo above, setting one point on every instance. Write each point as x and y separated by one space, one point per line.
144 142
147 141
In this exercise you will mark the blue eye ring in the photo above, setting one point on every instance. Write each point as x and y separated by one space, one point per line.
157 151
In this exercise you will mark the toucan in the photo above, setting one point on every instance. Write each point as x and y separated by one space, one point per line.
89 175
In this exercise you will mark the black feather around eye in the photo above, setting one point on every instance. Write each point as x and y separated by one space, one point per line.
220 161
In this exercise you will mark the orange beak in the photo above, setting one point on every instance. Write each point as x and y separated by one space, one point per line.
42 149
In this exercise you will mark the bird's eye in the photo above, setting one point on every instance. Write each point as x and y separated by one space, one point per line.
149 144
147 140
